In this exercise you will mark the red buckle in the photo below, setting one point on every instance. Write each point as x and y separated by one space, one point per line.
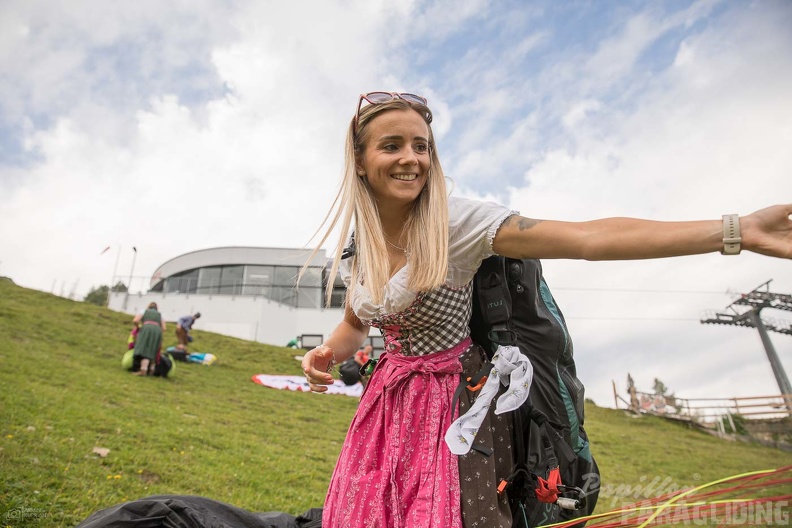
481 383
502 486
548 489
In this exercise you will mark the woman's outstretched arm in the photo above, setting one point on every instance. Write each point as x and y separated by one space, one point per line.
768 231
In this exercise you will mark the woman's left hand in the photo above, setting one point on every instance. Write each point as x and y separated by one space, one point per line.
316 365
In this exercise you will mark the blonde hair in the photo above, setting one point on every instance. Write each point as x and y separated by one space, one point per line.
426 228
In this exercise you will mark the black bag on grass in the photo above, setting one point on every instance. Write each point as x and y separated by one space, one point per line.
349 371
164 365
512 305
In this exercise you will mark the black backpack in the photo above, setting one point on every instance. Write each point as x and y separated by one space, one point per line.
512 305
349 371
164 364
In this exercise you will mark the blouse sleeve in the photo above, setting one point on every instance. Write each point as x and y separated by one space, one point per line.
472 228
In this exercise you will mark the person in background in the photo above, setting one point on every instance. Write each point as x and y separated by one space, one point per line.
408 269
133 335
362 357
183 327
148 340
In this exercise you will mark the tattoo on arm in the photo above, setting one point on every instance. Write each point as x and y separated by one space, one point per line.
523 224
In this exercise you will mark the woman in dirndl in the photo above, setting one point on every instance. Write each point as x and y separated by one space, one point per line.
149 339
408 267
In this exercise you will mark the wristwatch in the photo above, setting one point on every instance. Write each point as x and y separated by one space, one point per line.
731 235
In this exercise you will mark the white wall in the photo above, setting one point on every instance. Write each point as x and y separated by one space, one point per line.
251 318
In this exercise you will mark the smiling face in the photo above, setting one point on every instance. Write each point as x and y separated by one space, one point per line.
396 158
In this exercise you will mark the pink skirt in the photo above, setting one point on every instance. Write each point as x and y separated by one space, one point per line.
395 470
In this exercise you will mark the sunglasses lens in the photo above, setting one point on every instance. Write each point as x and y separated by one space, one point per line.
412 98
378 97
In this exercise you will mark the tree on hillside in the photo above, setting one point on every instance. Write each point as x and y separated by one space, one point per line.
660 389
98 296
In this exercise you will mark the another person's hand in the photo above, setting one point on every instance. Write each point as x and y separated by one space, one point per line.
768 231
316 365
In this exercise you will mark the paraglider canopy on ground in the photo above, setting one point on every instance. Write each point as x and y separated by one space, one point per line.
184 511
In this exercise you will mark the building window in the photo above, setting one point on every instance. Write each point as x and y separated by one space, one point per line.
309 294
338 297
285 275
258 280
231 278
185 282
209 280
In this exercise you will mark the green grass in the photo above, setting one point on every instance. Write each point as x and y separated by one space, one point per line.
211 431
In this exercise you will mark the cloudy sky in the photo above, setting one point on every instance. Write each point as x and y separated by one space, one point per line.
176 126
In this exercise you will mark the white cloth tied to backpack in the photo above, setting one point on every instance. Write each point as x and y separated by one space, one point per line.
512 369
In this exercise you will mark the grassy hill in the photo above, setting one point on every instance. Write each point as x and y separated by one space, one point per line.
211 431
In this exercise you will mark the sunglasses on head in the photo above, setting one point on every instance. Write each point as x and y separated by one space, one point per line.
376 98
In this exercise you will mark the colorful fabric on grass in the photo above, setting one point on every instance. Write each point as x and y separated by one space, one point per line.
298 383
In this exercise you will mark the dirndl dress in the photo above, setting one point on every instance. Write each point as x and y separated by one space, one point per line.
149 338
395 470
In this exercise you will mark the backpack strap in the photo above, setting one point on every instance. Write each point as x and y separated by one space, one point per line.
473 384
494 301
350 250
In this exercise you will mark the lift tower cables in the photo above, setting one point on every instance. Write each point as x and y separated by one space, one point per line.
745 311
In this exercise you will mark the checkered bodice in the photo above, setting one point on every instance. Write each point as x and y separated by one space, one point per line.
434 321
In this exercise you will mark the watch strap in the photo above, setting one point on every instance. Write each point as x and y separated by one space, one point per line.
731 235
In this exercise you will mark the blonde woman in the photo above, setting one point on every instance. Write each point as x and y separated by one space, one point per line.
414 254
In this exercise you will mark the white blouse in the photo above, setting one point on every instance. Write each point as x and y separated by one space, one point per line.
472 228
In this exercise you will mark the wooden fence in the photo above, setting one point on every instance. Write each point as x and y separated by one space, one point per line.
708 409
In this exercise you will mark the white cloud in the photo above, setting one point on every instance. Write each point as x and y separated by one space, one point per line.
248 166
579 111
709 136
616 56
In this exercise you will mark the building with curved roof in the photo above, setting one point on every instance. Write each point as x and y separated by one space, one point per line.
245 292
250 271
